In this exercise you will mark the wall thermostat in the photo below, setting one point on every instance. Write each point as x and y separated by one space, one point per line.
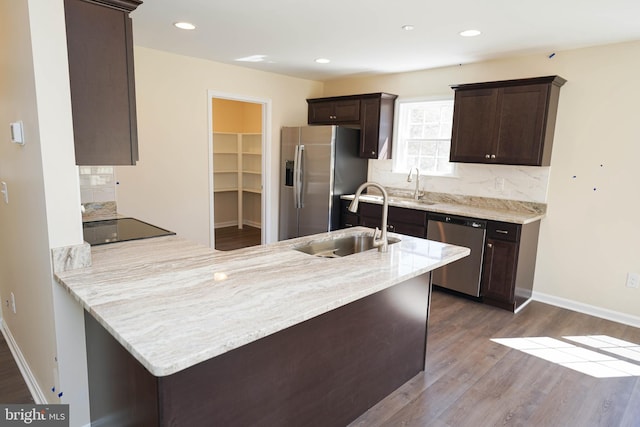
17 134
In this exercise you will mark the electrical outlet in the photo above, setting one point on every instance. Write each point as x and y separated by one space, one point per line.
499 184
13 303
633 280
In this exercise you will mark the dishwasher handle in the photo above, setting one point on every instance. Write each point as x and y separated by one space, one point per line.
459 220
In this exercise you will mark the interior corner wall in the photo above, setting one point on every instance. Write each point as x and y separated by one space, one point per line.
25 264
169 186
43 209
251 117
588 241
227 115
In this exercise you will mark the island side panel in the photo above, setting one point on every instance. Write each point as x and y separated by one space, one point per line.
323 372
121 391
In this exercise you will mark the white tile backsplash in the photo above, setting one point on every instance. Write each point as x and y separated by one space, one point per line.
524 183
97 184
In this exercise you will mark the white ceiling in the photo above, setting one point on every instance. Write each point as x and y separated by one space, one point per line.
365 36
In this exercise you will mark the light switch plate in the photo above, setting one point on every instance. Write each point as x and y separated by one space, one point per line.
17 133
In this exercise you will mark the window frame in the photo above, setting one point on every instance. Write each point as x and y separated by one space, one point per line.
396 151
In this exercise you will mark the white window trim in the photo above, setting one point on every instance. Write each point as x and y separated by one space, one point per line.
396 126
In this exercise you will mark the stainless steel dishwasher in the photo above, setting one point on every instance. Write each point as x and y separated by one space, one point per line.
463 275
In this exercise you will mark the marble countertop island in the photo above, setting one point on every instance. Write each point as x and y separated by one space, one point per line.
173 304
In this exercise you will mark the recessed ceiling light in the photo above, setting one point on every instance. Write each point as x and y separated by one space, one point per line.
184 25
407 27
470 33
252 58
323 60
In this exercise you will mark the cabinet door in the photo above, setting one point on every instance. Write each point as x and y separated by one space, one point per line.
100 51
376 126
334 112
321 113
474 124
411 222
519 138
370 129
347 111
498 272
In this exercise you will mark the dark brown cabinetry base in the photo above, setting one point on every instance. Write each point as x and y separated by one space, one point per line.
411 222
322 372
509 264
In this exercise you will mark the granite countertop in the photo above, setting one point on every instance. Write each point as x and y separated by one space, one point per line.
475 207
173 303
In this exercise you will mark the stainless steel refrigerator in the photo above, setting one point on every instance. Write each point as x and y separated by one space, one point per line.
318 165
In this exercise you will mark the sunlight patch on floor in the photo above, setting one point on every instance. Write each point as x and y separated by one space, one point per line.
594 363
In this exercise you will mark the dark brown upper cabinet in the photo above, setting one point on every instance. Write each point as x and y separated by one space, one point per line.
505 122
372 113
100 50
334 112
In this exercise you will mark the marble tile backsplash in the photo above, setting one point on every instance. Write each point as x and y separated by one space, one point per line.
523 183
97 184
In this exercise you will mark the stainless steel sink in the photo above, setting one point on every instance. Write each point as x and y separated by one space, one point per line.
343 246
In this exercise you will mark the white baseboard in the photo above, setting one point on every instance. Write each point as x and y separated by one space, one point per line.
226 224
252 224
235 224
36 392
591 310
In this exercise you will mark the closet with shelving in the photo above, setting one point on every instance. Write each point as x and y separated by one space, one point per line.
237 163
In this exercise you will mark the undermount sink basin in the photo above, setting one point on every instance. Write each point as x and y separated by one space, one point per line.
342 246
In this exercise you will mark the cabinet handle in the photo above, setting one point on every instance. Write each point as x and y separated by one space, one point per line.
489 245
502 231
493 156
373 153
391 228
486 156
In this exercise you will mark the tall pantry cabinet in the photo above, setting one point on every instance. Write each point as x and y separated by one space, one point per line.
237 163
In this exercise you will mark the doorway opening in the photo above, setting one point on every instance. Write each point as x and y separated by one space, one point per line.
237 171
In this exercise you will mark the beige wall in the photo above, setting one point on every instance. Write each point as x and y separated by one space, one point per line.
43 209
589 240
169 186
236 116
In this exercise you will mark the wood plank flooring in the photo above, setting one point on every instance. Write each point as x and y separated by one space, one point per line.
230 238
12 386
472 381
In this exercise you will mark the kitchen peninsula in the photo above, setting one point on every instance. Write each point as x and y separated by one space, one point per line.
178 334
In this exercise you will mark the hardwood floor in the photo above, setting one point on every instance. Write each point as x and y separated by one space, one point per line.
230 238
472 381
12 386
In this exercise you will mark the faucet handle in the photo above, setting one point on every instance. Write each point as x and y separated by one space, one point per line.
377 234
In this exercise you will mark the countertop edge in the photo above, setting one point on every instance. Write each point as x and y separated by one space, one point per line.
513 217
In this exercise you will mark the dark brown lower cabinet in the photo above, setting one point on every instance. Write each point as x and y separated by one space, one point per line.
411 222
509 263
323 372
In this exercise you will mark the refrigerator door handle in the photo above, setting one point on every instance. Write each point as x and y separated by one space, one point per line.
297 177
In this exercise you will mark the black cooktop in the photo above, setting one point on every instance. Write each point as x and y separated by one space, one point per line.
120 230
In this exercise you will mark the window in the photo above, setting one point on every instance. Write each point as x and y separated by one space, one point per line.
424 136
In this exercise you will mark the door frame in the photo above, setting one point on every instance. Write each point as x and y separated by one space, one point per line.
266 161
